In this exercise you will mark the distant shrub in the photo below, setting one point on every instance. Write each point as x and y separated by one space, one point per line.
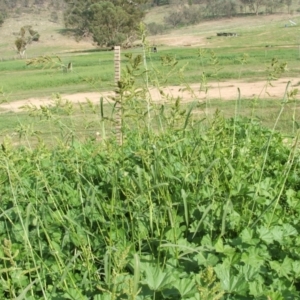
154 28
186 16
2 18
174 19
54 17
215 9
18 11
35 35
191 15
161 2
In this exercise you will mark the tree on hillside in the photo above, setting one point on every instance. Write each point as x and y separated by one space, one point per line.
114 23
273 5
2 18
217 8
24 39
160 2
255 5
108 22
288 3
10 4
184 15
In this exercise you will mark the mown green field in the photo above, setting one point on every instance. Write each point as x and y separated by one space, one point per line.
95 71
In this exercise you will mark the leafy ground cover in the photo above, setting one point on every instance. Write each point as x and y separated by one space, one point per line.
186 207
196 212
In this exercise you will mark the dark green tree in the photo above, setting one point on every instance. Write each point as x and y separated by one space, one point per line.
255 5
23 40
274 5
2 17
219 8
288 3
160 2
110 22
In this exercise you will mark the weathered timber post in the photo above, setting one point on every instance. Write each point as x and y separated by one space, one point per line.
118 107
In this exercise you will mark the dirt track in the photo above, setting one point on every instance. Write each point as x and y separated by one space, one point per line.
224 91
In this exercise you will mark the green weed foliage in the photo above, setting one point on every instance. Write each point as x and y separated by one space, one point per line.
186 207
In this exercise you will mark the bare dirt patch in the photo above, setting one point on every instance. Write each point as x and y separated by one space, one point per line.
228 90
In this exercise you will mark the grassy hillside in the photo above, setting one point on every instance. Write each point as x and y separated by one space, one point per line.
53 37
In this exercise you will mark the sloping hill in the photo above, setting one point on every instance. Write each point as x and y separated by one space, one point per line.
269 29
53 36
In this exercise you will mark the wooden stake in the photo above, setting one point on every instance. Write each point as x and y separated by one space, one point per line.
118 107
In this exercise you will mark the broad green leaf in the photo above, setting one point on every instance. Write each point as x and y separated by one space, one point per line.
18 277
274 295
234 219
143 230
232 259
265 234
185 286
219 245
256 288
175 233
270 218
221 248
104 296
206 259
74 294
275 265
289 230
157 280
296 268
292 199
283 269
195 297
25 290
254 256
249 272
277 233
230 283
206 241
247 236
223 274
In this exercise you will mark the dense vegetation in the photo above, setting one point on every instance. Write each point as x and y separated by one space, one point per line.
189 12
9 7
116 21
110 22
186 207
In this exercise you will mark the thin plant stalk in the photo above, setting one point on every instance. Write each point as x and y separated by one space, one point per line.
284 102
